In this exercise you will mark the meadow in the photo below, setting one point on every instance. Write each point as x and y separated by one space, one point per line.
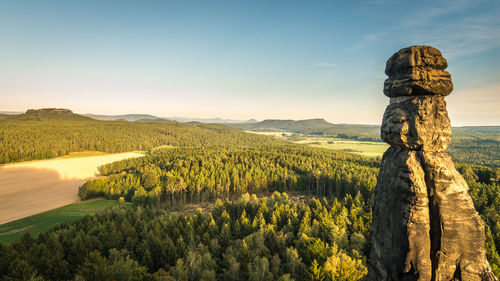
365 148
13 231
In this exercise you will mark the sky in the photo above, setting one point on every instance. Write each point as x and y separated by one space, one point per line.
241 59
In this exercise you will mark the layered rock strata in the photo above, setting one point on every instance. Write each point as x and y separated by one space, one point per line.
424 225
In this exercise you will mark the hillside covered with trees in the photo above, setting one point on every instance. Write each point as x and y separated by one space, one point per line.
45 135
50 133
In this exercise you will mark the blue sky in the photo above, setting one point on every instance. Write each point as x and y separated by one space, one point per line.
241 59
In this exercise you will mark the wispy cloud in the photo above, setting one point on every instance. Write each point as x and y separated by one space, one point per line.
369 38
447 28
428 14
447 25
325 64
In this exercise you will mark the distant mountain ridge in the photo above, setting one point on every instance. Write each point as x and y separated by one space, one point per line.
132 117
6 112
216 120
127 117
294 126
148 117
320 126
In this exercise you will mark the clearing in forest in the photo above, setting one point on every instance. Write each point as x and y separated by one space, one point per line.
28 188
366 148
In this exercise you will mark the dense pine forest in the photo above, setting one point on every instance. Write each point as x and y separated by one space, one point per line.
253 231
273 238
250 239
31 138
242 237
201 174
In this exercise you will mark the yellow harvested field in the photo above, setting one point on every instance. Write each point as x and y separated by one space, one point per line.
28 188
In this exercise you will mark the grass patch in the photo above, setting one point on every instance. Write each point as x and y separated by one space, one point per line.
366 148
163 147
372 149
83 154
277 134
13 231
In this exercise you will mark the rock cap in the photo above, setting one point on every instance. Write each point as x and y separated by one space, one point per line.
417 71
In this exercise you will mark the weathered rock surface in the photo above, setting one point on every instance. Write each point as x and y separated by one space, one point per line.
417 123
59 111
424 225
457 232
415 71
401 219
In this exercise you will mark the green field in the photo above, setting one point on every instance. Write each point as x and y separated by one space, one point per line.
83 154
366 148
163 146
276 134
13 231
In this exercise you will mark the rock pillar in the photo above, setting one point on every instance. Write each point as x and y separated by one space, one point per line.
424 225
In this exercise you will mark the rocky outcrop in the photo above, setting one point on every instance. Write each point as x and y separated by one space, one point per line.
415 71
424 225
57 111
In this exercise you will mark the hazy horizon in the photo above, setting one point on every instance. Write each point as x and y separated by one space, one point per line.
240 60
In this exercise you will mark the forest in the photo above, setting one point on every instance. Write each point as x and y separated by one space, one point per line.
243 236
253 231
30 139
204 174
249 239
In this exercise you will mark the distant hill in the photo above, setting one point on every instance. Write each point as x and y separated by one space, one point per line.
294 126
353 131
46 114
10 112
215 120
127 117
477 129
157 120
152 118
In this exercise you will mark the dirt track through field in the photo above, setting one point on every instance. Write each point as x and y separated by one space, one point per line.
33 187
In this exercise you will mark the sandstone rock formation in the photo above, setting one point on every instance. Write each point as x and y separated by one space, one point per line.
57 111
424 225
